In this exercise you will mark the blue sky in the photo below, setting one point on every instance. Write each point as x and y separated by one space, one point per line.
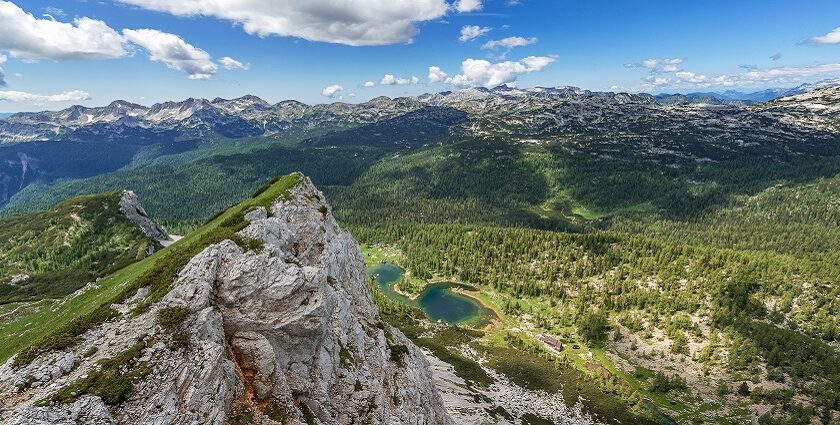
86 56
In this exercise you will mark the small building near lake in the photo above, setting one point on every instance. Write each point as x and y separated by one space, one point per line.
551 343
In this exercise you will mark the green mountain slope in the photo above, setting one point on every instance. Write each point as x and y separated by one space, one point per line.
67 246
54 326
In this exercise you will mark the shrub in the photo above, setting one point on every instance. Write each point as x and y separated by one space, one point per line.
593 327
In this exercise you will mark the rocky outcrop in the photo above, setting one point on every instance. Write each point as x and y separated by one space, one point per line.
283 333
130 206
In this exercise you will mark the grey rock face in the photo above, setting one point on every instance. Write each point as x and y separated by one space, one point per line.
130 206
86 410
299 324
285 334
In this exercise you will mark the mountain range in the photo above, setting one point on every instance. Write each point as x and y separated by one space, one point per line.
611 257
250 116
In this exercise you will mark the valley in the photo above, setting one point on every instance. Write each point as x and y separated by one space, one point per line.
684 254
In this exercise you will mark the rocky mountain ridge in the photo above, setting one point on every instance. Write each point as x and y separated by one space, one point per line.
281 331
249 116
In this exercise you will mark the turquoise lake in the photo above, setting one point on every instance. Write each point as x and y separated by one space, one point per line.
438 300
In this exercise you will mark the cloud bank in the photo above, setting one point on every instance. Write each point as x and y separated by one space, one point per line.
351 22
68 96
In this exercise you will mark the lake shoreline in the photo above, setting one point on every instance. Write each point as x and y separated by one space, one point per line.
478 315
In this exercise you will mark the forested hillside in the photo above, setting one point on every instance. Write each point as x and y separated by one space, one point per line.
55 252
689 253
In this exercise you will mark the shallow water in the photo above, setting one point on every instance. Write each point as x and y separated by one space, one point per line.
438 300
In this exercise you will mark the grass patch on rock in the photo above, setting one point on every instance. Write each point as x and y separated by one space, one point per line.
113 381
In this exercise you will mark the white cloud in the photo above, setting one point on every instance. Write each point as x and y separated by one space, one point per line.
332 90
657 65
478 72
30 38
786 72
751 76
68 96
174 52
537 63
3 59
509 42
471 32
351 22
468 5
231 63
390 80
831 38
436 75
2 78
54 11
368 84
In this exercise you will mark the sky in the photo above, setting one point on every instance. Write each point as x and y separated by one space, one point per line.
54 53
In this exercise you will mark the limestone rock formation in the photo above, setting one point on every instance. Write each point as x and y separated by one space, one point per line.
283 333
130 206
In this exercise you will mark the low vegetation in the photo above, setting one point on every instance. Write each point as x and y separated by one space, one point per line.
113 381
61 249
159 275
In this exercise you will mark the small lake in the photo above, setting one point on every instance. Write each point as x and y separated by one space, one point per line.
439 301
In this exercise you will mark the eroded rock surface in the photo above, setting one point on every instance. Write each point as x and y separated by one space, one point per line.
287 333
130 206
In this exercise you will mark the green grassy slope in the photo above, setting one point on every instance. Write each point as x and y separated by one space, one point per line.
56 326
67 246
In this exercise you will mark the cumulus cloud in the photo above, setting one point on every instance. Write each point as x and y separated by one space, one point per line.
468 5
351 22
3 59
436 75
657 65
231 64
479 72
332 91
27 37
509 42
471 32
68 96
174 52
831 38
390 80
368 84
